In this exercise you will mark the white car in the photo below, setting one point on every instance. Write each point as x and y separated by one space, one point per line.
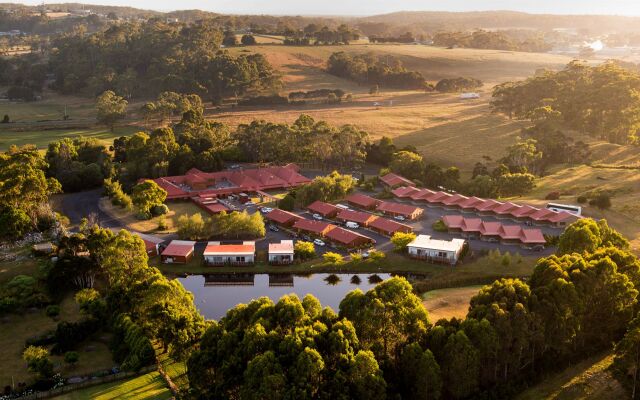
376 104
352 225
266 210
317 217
318 242
399 218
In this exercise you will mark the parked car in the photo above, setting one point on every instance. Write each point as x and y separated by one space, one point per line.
266 210
365 254
306 238
317 217
274 228
399 218
318 242
352 225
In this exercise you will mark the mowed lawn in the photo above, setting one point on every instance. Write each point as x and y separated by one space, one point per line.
41 138
149 386
51 107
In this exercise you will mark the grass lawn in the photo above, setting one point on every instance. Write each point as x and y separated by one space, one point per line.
177 370
51 107
449 303
15 329
588 379
42 138
176 209
150 386
24 265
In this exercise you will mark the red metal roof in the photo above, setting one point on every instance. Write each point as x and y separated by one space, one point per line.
360 217
317 227
386 225
362 200
229 249
456 199
510 231
281 216
347 237
532 236
523 211
453 221
471 225
437 197
405 191
178 248
505 208
490 228
322 208
421 194
392 179
488 205
397 208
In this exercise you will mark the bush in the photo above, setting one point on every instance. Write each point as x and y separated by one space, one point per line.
356 257
70 334
143 215
287 203
38 361
21 93
160 209
333 258
552 196
5 119
192 227
602 201
377 255
53 310
71 357
400 240
130 346
304 250
248 40
457 84
582 199
439 226
506 259
163 225
14 223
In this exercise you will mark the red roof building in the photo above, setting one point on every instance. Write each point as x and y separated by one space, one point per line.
362 201
505 209
392 180
229 254
455 200
421 194
318 228
404 192
388 227
488 206
397 209
325 209
281 217
470 204
348 238
210 204
359 217
178 252
492 230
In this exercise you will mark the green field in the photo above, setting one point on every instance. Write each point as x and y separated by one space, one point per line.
149 386
42 138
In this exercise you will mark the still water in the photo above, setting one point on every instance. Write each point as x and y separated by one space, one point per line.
215 294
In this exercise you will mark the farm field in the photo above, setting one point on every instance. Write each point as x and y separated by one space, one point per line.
149 386
449 303
41 138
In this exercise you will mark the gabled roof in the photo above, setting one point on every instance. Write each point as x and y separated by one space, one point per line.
453 221
471 225
490 228
488 205
281 216
317 227
532 236
426 242
505 208
362 200
523 211
284 247
392 179
421 194
387 225
179 248
360 217
322 208
542 214
437 197
215 248
471 202
345 236
397 208
456 199
510 231
405 191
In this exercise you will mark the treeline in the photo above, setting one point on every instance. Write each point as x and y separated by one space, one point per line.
448 85
407 37
144 59
596 100
234 225
321 35
496 40
382 344
373 70
23 76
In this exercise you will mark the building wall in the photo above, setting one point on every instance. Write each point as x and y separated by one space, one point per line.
414 251
228 259
176 260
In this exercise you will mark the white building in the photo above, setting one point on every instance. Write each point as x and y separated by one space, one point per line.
442 251
230 254
281 253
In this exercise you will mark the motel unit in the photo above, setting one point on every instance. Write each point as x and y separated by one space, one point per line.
178 252
423 247
218 254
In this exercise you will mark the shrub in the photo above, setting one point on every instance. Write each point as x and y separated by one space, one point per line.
53 310
439 226
304 250
248 40
71 357
333 258
377 255
582 199
130 346
506 259
143 215
70 334
602 201
160 209
38 361
5 119
287 203
356 257
14 223
552 196
192 227
163 225
400 240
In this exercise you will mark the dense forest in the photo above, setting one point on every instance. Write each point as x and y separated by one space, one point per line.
490 40
601 101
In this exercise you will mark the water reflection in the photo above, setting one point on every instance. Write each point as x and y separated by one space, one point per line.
216 293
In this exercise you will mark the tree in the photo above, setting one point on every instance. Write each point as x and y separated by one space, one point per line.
14 223
626 363
229 39
407 164
71 358
110 108
147 195
37 359
304 250
400 240
602 201
192 227
420 373
460 366
587 235
287 203
333 258
248 40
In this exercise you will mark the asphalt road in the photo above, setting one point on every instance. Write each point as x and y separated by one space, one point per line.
82 204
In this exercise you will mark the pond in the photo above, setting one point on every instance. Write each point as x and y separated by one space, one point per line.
216 293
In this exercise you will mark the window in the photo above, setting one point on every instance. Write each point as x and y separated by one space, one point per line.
442 254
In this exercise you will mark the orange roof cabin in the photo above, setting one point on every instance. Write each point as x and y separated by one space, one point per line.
178 252
281 217
230 254
359 217
401 210
362 201
281 253
317 228
387 227
392 180
325 209
348 238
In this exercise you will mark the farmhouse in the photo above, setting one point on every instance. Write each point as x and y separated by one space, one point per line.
361 218
399 210
362 201
178 252
281 217
424 247
348 238
230 254
392 180
317 228
281 253
325 209
387 227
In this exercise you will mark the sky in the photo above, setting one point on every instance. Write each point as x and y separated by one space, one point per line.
372 7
